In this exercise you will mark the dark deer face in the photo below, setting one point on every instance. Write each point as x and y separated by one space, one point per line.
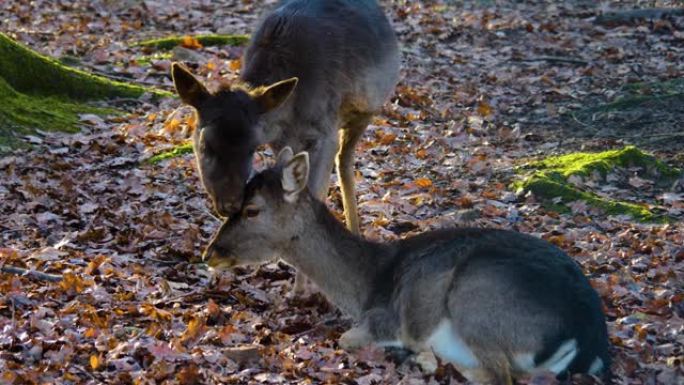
226 135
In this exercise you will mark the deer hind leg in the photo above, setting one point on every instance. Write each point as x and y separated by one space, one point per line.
495 369
349 136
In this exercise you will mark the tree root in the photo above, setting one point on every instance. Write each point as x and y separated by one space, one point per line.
31 273
629 16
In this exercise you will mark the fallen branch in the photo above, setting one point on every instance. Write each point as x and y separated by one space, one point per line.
31 273
629 16
553 59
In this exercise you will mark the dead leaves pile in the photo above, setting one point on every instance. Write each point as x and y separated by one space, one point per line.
477 84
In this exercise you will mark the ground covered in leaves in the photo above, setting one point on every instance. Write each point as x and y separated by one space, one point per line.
485 88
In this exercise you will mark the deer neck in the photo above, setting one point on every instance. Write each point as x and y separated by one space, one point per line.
341 264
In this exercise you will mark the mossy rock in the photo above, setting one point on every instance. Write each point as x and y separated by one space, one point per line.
185 148
549 179
167 43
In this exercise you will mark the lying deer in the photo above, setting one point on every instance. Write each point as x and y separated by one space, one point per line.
313 68
496 304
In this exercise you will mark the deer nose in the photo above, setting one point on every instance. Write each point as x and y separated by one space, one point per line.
226 208
217 257
210 253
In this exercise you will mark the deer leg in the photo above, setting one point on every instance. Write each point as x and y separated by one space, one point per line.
377 325
495 369
349 136
322 160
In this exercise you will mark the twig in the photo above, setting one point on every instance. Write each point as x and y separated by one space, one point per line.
581 123
120 78
630 15
662 135
160 261
126 100
87 373
32 32
31 273
180 296
553 59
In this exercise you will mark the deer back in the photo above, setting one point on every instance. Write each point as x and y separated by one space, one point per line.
342 51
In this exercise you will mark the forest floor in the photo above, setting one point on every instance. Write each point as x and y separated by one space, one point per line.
484 88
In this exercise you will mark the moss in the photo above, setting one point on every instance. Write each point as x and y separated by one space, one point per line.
548 179
631 102
148 59
38 92
180 150
20 114
31 73
170 42
668 87
586 163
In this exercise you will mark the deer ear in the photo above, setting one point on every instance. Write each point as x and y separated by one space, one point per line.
191 90
284 156
295 176
274 95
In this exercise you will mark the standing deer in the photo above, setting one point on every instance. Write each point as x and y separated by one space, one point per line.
313 68
497 304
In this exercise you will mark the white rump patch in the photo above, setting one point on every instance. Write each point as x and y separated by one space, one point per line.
448 345
560 360
596 366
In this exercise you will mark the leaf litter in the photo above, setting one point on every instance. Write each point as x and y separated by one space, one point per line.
483 87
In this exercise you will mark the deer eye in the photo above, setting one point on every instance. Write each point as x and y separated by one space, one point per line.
251 211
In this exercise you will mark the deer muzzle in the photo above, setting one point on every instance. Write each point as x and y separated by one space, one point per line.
218 258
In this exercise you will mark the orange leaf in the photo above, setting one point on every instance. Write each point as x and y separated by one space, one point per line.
91 333
213 309
194 330
410 117
387 139
423 182
234 65
484 109
172 125
465 202
95 362
189 375
190 42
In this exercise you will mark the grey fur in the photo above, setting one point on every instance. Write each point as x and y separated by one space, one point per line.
503 293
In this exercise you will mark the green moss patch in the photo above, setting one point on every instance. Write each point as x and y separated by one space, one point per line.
549 179
668 87
170 42
31 73
20 114
180 150
148 59
38 92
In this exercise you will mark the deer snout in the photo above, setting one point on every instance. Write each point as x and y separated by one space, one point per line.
227 207
218 257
